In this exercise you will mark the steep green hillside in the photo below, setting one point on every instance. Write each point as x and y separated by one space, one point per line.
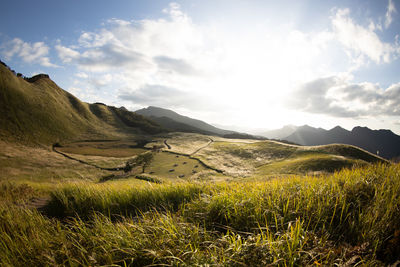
36 110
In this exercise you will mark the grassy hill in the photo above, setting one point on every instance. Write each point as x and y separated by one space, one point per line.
249 157
38 111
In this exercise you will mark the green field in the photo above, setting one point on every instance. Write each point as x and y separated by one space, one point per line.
172 166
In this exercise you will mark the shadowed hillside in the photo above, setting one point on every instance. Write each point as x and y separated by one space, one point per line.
178 122
383 142
36 110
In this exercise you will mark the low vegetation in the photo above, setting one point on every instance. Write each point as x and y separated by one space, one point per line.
109 148
271 157
349 217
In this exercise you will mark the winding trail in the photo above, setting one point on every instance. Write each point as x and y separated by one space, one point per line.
165 142
210 141
191 156
202 162
84 162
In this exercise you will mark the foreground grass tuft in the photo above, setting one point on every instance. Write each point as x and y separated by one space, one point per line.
75 199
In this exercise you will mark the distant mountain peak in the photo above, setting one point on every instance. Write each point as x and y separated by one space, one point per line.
289 126
309 128
157 112
338 130
360 128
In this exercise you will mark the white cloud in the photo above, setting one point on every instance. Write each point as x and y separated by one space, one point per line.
66 54
118 22
336 96
174 63
361 41
158 95
28 52
82 75
391 9
101 81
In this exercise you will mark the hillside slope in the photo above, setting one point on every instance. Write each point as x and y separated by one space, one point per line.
384 142
270 157
152 112
256 158
173 125
36 110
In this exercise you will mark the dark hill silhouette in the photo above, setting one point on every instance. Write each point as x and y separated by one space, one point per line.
384 142
156 112
173 125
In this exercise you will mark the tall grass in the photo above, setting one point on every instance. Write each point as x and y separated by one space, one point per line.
348 218
75 199
30 239
354 206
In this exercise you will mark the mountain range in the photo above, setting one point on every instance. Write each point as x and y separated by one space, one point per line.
385 143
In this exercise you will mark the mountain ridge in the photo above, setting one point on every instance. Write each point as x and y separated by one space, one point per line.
157 112
383 142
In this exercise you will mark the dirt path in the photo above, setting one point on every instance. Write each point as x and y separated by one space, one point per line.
191 155
168 146
210 141
84 162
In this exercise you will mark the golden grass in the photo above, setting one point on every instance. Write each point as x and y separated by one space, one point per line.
183 167
348 218
18 162
271 157
104 152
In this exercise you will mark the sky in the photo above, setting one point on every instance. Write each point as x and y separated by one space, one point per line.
245 65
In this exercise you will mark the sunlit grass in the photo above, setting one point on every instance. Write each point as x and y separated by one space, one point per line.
350 217
120 198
